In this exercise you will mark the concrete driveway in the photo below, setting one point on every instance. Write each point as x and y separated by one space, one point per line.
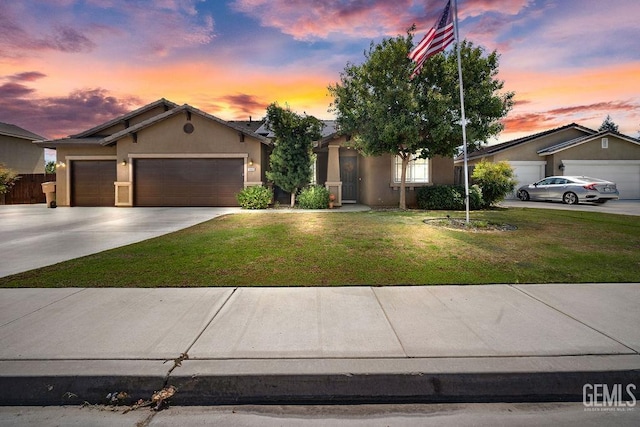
32 236
621 207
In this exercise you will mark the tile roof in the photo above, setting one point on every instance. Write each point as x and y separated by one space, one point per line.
329 129
16 131
581 140
183 108
492 149
95 130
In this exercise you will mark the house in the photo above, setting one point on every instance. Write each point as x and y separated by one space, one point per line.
164 154
17 151
369 180
161 154
568 150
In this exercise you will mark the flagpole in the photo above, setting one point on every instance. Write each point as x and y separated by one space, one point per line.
462 117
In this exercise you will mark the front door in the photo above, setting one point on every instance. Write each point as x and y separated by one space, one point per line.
349 178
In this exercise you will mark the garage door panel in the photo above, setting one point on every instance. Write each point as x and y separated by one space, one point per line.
188 182
526 173
626 174
92 182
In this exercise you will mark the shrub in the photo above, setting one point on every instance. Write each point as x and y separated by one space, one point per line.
314 197
255 197
448 197
495 179
8 179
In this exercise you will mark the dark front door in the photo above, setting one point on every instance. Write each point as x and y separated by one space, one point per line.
349 178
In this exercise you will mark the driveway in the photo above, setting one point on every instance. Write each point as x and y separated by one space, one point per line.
621 207
32 236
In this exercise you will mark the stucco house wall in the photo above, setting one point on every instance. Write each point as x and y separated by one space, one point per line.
208 139
17 152
377 186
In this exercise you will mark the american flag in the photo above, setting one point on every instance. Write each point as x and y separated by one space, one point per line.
435 41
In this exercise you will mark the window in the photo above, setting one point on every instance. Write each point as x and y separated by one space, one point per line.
417 170
605 142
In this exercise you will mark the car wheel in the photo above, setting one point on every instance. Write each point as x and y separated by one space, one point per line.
523 195
570 198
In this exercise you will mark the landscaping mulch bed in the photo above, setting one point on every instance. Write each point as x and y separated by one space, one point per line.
475 225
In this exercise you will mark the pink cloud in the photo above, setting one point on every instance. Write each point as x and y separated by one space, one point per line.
244 104
555 117
148 28
59 116
504 7
311 19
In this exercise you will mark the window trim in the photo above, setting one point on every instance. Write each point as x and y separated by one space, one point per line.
396 162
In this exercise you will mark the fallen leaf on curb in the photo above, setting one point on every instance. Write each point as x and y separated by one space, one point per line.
160 396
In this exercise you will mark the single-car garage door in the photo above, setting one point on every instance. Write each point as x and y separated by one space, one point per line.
526 172
92 182
187 182
625 173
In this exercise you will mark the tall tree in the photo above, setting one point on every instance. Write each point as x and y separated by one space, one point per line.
388 112
608 125
290 161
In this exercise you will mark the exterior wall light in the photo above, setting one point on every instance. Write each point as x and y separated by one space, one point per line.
250 162
124 163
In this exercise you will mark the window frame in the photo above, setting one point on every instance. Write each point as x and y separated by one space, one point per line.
411 167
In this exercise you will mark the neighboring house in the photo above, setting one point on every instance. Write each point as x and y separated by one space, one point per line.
568 150
17 151
163 154
370 180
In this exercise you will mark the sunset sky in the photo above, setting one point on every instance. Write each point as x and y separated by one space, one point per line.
68 65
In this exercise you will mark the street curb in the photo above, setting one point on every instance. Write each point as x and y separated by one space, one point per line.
320 381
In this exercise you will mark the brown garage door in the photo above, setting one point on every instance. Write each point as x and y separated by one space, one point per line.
187 182
92 182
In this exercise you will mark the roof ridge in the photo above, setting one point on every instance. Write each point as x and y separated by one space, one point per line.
126 116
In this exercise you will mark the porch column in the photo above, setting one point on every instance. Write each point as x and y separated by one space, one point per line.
334 184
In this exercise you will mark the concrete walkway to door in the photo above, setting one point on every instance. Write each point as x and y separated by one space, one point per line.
32 236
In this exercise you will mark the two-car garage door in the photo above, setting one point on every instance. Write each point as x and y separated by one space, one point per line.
187 182
625 173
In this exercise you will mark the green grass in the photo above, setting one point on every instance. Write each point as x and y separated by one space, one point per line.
368 248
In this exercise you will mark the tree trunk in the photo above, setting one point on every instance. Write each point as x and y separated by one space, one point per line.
293 197
403 179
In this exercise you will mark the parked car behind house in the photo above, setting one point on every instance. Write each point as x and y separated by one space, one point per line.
570 189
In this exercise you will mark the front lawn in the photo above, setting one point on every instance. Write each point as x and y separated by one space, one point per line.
367 248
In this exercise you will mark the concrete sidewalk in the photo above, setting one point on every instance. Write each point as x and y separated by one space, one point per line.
322 345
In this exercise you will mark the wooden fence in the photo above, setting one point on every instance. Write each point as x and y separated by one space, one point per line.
28 189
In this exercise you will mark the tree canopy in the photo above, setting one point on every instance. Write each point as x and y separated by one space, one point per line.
608 125
290 161
386 111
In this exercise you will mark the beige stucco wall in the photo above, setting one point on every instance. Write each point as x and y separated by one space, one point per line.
529 151
618 149
208 139
20 155
376 180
